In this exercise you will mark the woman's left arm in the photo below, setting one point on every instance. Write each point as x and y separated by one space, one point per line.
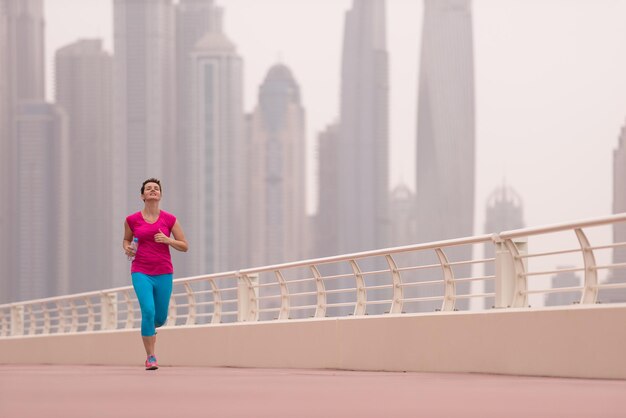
179 241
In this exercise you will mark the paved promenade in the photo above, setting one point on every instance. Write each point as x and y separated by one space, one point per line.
176 392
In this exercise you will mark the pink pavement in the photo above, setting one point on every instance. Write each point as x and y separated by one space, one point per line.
176 392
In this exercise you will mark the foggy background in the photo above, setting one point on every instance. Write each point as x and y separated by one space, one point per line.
549 87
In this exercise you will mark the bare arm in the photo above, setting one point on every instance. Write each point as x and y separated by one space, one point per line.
128 238
179 242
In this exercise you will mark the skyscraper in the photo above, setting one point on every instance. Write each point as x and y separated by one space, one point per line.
217 154
144 106
619 230
619 200
363 143
43 213
504 212
276 163
84 89
445 129
4 95
25 31
144 94
5 157
353 212
21 79
326 230
402 210
194 19
564 279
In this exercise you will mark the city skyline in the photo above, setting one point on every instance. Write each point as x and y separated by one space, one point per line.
513 127
169 16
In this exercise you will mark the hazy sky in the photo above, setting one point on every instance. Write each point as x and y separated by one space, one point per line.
550 85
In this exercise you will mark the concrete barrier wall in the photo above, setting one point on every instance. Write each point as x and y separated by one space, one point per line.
579 341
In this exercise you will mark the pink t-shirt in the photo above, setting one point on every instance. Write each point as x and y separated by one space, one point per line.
152 258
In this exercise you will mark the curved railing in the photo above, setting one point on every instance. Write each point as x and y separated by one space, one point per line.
436 276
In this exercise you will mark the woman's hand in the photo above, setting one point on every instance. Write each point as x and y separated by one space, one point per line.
178 242
162 238
129 250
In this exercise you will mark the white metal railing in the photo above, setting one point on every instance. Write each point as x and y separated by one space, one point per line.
439 275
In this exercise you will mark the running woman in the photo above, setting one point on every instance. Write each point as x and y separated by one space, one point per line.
152 269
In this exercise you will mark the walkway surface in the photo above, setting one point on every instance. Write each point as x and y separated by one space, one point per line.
176 392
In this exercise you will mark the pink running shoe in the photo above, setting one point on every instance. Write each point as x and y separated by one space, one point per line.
151 363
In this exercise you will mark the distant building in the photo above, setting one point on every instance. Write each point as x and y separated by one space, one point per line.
445 133
194 19
618 275
327 219
402 210
564 279
353 153
5 158
144 106
363 140
43 209
218 220
144 95
84 82
619 200
276 178
21 79
505 211
25 42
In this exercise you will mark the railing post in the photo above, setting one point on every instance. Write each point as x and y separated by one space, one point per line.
247 298
108 311
360 306
448 279
17 320
284 296
590 289
508 270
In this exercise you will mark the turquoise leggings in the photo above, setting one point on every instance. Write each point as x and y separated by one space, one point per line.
153 293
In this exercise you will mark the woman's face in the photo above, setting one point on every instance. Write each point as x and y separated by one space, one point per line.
151 191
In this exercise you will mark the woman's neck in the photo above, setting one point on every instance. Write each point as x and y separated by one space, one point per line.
151 209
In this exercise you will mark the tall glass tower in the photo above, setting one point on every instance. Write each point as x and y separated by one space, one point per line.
619 230
83 88
194 19
22 69
217 144
144 94
276 160
619 197
43 209
144 111
445 130
326 230
363 145
5 156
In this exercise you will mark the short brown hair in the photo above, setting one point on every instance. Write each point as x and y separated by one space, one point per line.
151 180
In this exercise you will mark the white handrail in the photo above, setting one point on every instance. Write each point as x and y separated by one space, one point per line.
412 278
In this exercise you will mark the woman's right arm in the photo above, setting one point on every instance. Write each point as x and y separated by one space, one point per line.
128 238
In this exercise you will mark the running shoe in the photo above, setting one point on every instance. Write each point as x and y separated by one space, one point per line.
151 363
